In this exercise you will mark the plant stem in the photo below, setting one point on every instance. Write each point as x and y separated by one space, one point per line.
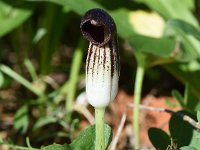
137 97
73 78
100 138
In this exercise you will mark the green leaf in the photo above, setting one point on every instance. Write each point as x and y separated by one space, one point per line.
30 68
124 27
188 36
1 140
186 75
198 116
159 138
1 79
41 32
181 130
163 47
12 15
78 6
86 139
8 71
177 95
185 27
188 148
189 101
192 102
42 121
56 147
173 9
160 47
21 119
195 142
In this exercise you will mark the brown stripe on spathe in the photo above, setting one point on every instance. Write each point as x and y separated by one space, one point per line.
94 58
104 57
112 59
89 56
98 63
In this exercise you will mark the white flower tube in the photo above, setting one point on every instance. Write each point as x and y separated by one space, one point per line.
102 66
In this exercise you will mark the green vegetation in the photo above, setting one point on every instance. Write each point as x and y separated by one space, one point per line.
42 60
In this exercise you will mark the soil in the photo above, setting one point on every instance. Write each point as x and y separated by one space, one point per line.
148 118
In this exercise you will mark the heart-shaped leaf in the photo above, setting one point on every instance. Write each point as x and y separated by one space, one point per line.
180 130
57 147
159 138
86 139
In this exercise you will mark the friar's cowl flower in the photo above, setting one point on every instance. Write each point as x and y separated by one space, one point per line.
102 66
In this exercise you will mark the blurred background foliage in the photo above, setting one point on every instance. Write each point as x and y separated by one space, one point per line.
42 59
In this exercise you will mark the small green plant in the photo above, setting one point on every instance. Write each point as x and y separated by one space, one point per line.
183 125
182 135
84 141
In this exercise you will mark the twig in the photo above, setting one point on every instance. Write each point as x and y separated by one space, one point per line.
146 107
182 115
121 125
159 109
191 121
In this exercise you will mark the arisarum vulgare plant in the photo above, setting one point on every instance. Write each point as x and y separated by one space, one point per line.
102 66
